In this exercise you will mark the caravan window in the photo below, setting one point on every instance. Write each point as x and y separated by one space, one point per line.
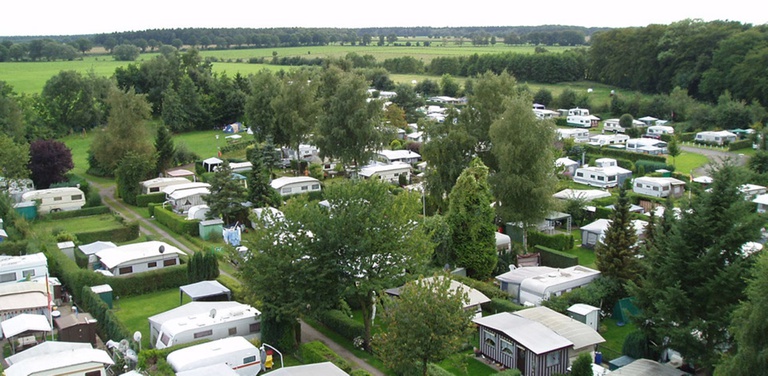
152 264
170 262
580 174
154 189
304 188
126 270
7 277
204 333
164 339
255 327
28 273
250 359
77 197
315 186
612 178
286 190
57 199
232 331
93 373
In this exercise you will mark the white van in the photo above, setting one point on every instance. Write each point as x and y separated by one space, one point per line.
56 199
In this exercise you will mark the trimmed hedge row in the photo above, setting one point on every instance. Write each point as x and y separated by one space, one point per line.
143 200
359 372
741 144
128 232
556 259
96 210
175 222
318 352
502 305
435 370
341 324
108 325
489 289
237 146
234 286
560 242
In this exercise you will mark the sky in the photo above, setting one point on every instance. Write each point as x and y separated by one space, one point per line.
77 17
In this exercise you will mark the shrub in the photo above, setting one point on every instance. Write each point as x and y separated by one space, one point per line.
107 324
125 233
435 370
359 372
341 324
556 259
92 199
144 200
79 213
650 166
560 242
176 223
502 305
741 144
489 289
14 248
318 352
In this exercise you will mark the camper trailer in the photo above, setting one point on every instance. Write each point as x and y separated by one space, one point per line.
658 130
236 352
291 185
608 139
606 174
659 186
204 320
647 146
389 173
19 268
56 199
578 135
578 121
156 185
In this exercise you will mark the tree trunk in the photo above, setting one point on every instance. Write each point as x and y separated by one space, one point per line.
367 311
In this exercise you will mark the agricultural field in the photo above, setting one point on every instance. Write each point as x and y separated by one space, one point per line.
30 77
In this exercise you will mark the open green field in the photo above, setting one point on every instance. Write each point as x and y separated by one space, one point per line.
30 77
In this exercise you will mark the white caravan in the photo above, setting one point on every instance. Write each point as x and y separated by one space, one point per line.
56 199
202 320
156 185
236 352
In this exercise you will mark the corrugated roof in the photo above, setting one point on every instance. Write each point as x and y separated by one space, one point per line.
644 367
531 334
575 331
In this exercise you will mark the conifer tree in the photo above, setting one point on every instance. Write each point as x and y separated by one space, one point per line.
227 195
616 254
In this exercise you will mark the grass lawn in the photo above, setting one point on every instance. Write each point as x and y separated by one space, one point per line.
466 364
79 224
687 162
614 338
343 342
135 310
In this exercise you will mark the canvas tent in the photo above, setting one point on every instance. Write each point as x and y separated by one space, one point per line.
624 309
205 291
234 128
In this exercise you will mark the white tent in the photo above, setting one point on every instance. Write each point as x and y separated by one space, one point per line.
25 322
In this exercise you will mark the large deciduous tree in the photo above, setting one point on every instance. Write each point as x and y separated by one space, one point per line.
259 112
470 217
14 159
125 131
49 161
260 193
523 147
295 110
425 324
349 124
695 274
68 103
227 195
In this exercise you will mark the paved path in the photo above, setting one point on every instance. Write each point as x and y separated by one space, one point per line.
308 333
714 156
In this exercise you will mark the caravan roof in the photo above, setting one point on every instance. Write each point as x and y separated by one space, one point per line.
178 187
199 318
187 358
112 257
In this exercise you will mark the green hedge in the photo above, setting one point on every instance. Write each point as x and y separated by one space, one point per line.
151 206
175 222
561 242
502 305
108 325
645 166
741 144
556 259
318 352
435 370
237 146
489 289
96 210
341 324
688 136
143 200
360 372
234 286
126 233
603 213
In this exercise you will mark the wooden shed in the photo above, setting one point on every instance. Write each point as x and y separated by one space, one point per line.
77 327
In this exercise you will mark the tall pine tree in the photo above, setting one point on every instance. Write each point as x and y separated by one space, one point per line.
165 149
616 255
695 275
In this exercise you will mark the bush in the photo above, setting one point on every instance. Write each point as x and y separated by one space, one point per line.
650 166
502 305
155 198
318 352
14 248
435 370
359 372
560 242
92 199
489 289
741 144
107 324
556 259
341 324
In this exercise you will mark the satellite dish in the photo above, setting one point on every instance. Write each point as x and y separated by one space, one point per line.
137 336
161 249
213 312
122 346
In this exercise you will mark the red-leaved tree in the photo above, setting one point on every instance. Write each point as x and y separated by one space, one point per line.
49 161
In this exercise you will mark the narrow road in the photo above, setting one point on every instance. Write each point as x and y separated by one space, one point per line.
308 333
714 156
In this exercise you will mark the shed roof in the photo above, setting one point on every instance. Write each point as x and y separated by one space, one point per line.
531 334
25 322
69 321
582 309
204 289
575 331
475 297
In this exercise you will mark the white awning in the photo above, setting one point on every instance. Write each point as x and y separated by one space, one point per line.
25 322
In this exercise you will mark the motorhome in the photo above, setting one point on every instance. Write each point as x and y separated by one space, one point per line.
56 199
156 185
204 320
236 352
